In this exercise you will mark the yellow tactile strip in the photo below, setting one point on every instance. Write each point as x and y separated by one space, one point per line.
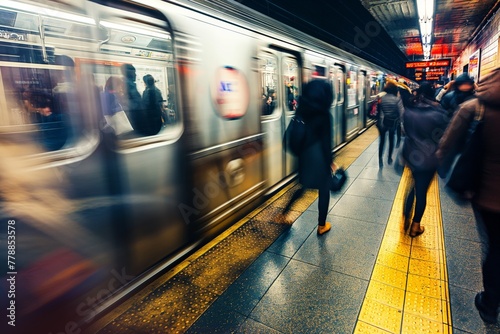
408 290
174 302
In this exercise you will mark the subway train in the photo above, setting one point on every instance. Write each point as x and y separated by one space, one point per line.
134 131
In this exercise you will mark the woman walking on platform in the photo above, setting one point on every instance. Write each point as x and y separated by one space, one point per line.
424 121
315 157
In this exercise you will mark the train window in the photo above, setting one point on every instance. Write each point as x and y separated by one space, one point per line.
38 78
136 78
351 88
291 81
268 65
319 71
375 84
334 84
339 84
361 87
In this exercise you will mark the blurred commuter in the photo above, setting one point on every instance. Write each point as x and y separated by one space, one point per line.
390 111
463 90
152 102
50 107
133 100
445 89
405 95
290 91
424 120
110 98
486 201
315 158
269 103
112 109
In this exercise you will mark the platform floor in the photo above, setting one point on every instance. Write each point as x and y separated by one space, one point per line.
365 276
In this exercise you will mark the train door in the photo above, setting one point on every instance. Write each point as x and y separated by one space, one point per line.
362 99
280 88
352 112
337 77
290 81
271 116
134 71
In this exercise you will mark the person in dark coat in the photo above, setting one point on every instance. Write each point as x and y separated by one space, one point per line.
424 121
463 90
133 98
315 158
390 112
486 201
152 102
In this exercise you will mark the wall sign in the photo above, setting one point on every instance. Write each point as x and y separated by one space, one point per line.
230 93
430 63
474 65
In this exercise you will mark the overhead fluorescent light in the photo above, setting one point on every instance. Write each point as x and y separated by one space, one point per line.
134 29
426 28
47 12
426 17
425 9
429 8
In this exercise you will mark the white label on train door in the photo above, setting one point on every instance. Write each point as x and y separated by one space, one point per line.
230 93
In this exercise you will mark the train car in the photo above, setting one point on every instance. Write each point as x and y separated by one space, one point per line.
133 131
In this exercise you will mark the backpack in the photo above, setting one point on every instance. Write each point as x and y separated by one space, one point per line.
295 135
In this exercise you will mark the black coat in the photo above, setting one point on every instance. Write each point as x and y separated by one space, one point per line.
424 125
316 157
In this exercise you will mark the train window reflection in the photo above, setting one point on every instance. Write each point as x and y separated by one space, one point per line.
268 66
44 96
142 65
290 78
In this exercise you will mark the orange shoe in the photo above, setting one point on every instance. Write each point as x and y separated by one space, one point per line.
323 229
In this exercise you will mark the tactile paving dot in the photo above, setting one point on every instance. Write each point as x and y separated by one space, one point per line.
425 254
380 315
389 276
424 306
425 286
170 308
416 324
393 260
397 236
394 246
364 328
425 268
386 294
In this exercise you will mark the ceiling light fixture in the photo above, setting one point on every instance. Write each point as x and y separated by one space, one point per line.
426 18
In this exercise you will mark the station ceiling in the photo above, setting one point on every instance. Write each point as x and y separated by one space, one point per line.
455 23
352 25
342 23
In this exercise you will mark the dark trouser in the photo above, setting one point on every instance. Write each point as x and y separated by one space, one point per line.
398 134
383 129
488 224
323 202
419 191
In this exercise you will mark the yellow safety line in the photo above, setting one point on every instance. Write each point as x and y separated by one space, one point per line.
408 290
